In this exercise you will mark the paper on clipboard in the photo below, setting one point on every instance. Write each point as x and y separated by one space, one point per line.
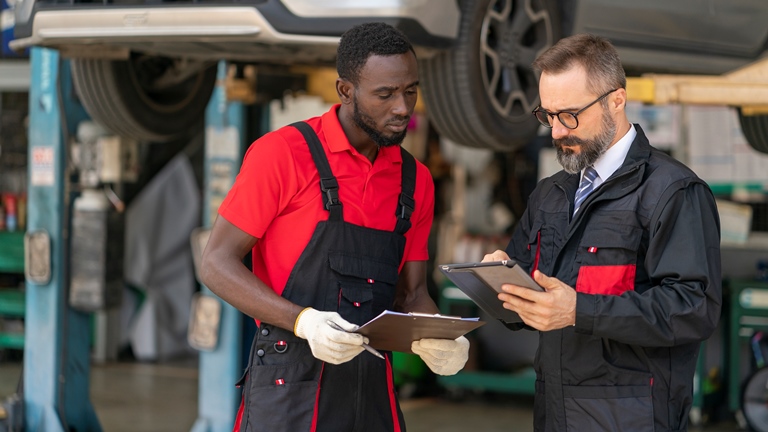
394 331
481 282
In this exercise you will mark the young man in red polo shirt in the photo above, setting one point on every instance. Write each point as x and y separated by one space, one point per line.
337 215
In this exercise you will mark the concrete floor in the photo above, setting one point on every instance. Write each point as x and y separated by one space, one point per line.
138 397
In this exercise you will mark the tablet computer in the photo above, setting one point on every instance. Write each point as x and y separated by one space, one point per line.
481 282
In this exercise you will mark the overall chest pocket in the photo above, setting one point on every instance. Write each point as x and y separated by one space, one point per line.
607 260
355 302
365 286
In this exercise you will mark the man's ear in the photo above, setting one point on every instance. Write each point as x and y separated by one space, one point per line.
344 89
619 99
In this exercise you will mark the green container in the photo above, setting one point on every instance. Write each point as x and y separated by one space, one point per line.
407 368
11 252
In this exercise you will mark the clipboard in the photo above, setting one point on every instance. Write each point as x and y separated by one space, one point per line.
481 282
394 331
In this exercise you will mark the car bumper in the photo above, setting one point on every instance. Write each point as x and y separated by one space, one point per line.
157 26
205 30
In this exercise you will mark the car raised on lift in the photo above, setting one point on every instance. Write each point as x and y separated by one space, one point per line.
145 68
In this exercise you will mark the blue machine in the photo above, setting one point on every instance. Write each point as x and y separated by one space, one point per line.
57 354
57 339
219 369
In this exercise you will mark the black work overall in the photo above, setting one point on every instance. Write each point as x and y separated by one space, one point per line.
345 268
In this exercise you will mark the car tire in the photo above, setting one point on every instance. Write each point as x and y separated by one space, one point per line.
147 98
755 130
481 92
754 400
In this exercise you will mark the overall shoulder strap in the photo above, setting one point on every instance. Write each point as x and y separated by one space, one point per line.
328 184
406 204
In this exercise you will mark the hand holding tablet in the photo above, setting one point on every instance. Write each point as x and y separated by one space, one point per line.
482 282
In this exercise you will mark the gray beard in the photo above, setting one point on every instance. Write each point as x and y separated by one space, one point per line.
591 149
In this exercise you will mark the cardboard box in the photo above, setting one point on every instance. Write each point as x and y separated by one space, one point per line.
735 222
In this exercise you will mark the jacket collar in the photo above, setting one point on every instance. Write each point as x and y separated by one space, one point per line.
639 152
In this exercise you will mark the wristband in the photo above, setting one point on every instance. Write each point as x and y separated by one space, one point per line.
296 323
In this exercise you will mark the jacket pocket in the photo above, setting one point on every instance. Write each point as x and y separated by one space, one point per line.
607 259
606 280
608 408
534 249
541 247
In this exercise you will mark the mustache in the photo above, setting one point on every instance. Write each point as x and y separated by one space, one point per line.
569 141
399 120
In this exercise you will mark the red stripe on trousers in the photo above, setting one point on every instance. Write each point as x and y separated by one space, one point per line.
392 401
239 417
317 400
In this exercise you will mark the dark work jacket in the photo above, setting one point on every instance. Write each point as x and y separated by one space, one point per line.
643 254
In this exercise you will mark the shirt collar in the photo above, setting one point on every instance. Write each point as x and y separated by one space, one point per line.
612 159
338 142
334 134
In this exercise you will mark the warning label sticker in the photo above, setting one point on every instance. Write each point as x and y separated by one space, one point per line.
42 169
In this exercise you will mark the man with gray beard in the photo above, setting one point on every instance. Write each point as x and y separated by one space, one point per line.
626 242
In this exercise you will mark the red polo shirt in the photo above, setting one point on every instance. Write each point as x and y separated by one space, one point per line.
276 196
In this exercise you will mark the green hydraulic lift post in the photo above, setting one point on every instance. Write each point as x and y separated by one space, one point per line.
56 352
220 368
748 314
519 382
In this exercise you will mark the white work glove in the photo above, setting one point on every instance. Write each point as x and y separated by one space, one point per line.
327 343
443 356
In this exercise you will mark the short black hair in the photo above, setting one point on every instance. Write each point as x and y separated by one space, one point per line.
364 40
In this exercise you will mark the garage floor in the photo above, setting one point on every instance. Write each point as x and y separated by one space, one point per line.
136 397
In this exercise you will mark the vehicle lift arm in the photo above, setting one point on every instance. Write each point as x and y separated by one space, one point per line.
746 87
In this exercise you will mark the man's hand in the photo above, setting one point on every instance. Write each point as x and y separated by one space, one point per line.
498 255
544 311
443 356
328 344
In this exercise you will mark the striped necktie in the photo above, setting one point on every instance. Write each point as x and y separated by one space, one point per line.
585 187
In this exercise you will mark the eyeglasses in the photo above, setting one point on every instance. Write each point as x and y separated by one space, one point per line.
567 118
